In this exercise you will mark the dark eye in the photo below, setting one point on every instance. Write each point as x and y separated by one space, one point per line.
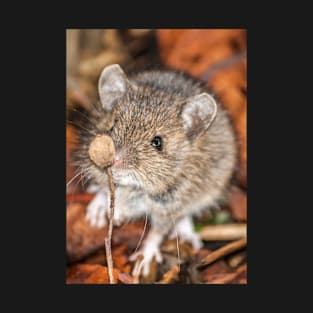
157 142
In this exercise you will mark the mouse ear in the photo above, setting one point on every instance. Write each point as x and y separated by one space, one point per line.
198 113
112 85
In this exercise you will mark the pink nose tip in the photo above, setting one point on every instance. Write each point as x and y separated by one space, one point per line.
118 160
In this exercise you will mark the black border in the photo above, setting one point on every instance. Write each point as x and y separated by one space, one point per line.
41 246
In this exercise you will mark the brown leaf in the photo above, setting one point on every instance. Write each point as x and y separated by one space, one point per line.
125 278
237 259
89 274
195 50
120 258
230 86
238 203
205 275
129 233
81 238
242 135
82 197
218 268
96 258
230 278
220 272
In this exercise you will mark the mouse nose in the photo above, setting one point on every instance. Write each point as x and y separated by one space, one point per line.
119 160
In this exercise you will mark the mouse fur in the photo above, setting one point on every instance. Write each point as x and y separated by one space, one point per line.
187 172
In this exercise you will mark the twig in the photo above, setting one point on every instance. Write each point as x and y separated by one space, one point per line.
108 236
170 275
215 255
223 232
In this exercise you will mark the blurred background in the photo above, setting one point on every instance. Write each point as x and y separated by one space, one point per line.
216 56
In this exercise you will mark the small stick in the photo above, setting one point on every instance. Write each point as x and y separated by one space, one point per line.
223 232
215 255
108 236
170 275
102 152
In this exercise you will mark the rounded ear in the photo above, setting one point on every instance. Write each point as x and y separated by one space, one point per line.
198 114
112 85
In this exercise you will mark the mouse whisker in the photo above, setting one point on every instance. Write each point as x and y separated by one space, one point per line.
89 131
73 178
84 178
85 116
97 106
142 234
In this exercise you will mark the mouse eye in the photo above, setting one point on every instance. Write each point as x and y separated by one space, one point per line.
157 142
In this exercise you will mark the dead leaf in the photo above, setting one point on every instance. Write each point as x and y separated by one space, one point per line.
120 258
238 203
81 238
129 233
125 278
89 274
195 50
230 86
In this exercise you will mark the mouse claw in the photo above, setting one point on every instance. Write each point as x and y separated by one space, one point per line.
147 255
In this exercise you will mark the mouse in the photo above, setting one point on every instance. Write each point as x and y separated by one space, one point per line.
175 154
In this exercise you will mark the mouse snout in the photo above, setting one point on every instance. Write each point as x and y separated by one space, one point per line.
119 160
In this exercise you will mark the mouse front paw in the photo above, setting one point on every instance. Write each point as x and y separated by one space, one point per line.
97 209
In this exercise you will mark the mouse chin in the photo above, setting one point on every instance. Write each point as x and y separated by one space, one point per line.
124 178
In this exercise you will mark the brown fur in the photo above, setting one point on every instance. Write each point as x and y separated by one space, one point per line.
191 172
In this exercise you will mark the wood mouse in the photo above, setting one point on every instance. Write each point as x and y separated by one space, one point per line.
175 153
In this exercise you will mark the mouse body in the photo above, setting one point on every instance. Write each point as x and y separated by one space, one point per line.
175 153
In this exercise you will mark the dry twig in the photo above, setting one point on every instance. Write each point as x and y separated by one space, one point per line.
108 236
170 276
223 232
215 255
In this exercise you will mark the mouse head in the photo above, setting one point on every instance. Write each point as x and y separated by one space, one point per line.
153 131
